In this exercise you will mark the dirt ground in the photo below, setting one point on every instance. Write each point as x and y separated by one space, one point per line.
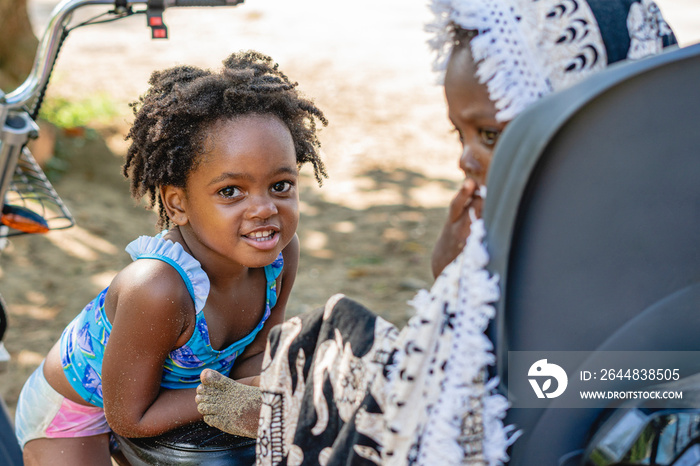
367 232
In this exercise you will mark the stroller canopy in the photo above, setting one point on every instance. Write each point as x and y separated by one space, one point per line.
593 224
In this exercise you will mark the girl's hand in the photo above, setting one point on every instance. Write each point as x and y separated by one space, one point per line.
229 405
458 226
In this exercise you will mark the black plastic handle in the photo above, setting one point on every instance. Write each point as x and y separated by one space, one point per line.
198 3
155 8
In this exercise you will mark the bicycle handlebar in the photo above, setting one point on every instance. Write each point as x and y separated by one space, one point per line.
55 34
197 3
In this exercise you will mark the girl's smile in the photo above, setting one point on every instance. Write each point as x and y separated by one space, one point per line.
263 238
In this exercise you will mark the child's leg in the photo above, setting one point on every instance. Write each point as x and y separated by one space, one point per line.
54 430
73 451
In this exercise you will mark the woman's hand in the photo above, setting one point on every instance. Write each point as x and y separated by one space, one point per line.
458 226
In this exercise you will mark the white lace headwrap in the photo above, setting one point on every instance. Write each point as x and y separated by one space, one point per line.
526 49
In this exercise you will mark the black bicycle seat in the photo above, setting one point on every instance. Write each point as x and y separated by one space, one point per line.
191 445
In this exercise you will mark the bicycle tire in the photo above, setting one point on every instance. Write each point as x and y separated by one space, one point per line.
3 317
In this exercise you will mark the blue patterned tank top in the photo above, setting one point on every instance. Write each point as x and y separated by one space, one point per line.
84 339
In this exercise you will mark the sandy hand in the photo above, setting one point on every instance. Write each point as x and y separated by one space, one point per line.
228 405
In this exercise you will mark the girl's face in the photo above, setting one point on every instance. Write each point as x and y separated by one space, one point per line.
472 113
241 200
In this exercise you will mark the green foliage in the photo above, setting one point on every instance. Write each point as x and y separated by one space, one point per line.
76 119
70 113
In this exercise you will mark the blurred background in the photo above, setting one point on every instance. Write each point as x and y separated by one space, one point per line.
389 149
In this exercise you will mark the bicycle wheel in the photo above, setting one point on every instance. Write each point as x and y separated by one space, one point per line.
3 317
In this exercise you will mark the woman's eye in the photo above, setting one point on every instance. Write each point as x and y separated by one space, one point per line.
230 192
282 186
489 137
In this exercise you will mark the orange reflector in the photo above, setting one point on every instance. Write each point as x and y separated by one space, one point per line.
23 219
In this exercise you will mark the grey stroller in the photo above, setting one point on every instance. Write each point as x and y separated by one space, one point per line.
593 224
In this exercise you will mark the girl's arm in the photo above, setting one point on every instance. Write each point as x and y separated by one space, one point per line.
249 363
148 305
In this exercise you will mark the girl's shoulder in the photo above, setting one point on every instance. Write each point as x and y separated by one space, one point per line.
162 269
171 255
149 282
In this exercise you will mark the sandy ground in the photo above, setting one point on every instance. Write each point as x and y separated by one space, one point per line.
391 157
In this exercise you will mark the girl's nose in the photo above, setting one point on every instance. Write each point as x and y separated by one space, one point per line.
262 207
468 162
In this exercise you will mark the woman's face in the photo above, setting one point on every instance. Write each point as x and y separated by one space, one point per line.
472 113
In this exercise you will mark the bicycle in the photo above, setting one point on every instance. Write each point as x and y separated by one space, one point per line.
31 205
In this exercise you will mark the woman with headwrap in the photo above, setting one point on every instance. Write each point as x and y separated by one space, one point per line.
343 386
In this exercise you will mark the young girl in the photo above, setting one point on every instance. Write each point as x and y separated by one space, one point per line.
218 154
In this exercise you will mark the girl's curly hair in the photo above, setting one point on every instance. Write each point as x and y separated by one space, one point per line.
183 102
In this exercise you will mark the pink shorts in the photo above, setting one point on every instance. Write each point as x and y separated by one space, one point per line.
42 412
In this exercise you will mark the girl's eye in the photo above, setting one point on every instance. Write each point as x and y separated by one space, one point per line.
230 192
489 137
282 186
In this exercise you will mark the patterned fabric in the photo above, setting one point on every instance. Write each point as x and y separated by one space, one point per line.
317 375
526 49
343 386
84 339
42 412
